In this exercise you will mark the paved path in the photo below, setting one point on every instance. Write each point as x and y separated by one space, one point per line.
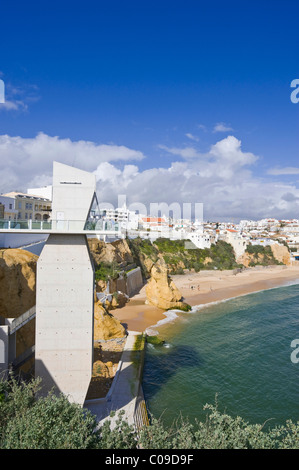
125 387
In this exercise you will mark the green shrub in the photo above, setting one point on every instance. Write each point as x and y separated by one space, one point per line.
44 423
262 255
104 271
52 422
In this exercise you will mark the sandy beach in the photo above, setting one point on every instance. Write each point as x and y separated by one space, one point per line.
206 287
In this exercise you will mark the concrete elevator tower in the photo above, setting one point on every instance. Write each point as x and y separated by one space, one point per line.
65 289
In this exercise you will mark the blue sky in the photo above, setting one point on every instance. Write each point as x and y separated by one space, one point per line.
167 101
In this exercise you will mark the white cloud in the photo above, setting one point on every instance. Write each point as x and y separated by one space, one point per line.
18 98
222 127
186 152
229 149
16 105
29 159
192 137
289 170
221 178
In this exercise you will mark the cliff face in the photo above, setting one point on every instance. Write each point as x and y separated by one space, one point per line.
17 293
17 280
115 252
272 254
106 326
248 259
281 253
161 290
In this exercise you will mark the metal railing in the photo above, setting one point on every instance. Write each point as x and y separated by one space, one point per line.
59 225
141 418
20 321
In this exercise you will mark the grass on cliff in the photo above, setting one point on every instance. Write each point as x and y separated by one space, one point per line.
178 257
138 247
220 256
261 256
104 271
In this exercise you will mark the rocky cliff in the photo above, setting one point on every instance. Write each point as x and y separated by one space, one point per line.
106 326
281 253
161 290
17 293
265 255
115 252
17 280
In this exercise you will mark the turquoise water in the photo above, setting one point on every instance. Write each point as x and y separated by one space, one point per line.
239 349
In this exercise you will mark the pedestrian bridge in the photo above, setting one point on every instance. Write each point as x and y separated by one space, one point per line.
90 227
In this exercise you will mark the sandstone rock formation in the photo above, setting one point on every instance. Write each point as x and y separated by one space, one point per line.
17 293
246 259
161 290
281 253
17 278
106 326
115 252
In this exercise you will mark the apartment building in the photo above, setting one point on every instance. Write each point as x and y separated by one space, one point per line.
30 206
124 217
9 212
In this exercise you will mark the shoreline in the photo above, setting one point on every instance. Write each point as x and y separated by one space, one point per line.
203 288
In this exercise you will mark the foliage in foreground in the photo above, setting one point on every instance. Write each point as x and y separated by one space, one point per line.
52 422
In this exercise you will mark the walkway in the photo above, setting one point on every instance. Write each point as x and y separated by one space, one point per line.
125 393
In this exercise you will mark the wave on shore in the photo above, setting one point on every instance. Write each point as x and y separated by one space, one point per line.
172 315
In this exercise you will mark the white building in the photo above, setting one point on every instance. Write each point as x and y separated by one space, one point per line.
126 219
234 238
200 239
10 211
44 192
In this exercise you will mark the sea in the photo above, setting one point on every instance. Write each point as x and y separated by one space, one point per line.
237 355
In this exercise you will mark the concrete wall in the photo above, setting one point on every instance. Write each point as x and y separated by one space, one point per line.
64 316
129 284
73 192
4 346
134 281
